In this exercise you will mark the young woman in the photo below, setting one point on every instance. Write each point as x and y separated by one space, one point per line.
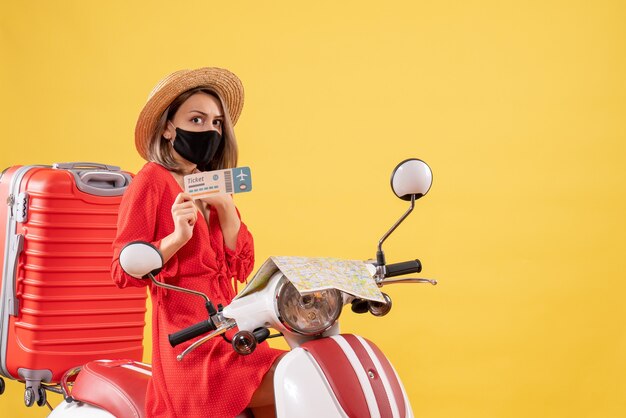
186 127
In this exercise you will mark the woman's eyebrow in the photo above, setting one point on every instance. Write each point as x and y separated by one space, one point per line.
198 111
204 113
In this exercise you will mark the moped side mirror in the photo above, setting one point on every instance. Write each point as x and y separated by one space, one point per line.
139 259
412 177
410 180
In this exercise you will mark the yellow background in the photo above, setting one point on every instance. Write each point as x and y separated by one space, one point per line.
519 108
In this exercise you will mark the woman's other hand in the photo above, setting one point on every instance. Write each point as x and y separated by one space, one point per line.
220 201
227 214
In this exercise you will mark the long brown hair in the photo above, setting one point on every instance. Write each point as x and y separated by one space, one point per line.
160 149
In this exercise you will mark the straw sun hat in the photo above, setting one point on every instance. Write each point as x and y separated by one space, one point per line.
223 82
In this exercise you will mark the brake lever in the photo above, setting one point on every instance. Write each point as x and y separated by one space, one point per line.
407 280
224 326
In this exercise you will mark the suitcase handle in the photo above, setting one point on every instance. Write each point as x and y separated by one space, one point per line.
15 248
102 183
103 179
97 179
82 165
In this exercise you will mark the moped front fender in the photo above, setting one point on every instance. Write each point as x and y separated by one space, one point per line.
341 376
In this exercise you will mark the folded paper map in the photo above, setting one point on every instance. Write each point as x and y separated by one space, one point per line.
310 274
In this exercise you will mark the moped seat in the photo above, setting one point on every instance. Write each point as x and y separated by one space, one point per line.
118 386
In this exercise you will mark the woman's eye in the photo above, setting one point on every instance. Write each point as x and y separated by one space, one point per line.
197 119
217 123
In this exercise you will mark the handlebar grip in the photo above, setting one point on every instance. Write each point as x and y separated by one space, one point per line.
188 333
406 267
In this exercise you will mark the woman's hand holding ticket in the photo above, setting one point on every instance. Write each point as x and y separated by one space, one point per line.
184 215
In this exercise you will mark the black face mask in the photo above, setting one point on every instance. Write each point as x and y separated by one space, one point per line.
197 147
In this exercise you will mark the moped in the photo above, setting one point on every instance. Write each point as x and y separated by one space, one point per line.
325 374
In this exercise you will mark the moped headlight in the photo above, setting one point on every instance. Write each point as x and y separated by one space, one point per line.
308 314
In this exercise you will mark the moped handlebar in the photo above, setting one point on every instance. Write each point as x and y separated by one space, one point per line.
406 267
193 331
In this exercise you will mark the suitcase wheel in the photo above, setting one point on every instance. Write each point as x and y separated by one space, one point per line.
29 397
42 397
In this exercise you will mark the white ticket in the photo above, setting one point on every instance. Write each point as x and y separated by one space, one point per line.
228 181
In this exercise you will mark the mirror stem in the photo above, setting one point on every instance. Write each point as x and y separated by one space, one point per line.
380 255
209 305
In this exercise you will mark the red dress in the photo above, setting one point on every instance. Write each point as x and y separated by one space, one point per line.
212 381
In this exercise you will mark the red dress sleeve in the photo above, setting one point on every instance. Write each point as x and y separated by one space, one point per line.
137 220
240 262
237 263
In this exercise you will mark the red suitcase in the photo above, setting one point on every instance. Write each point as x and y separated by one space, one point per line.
59 307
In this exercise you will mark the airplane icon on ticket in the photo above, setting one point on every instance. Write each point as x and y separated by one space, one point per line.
242 176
